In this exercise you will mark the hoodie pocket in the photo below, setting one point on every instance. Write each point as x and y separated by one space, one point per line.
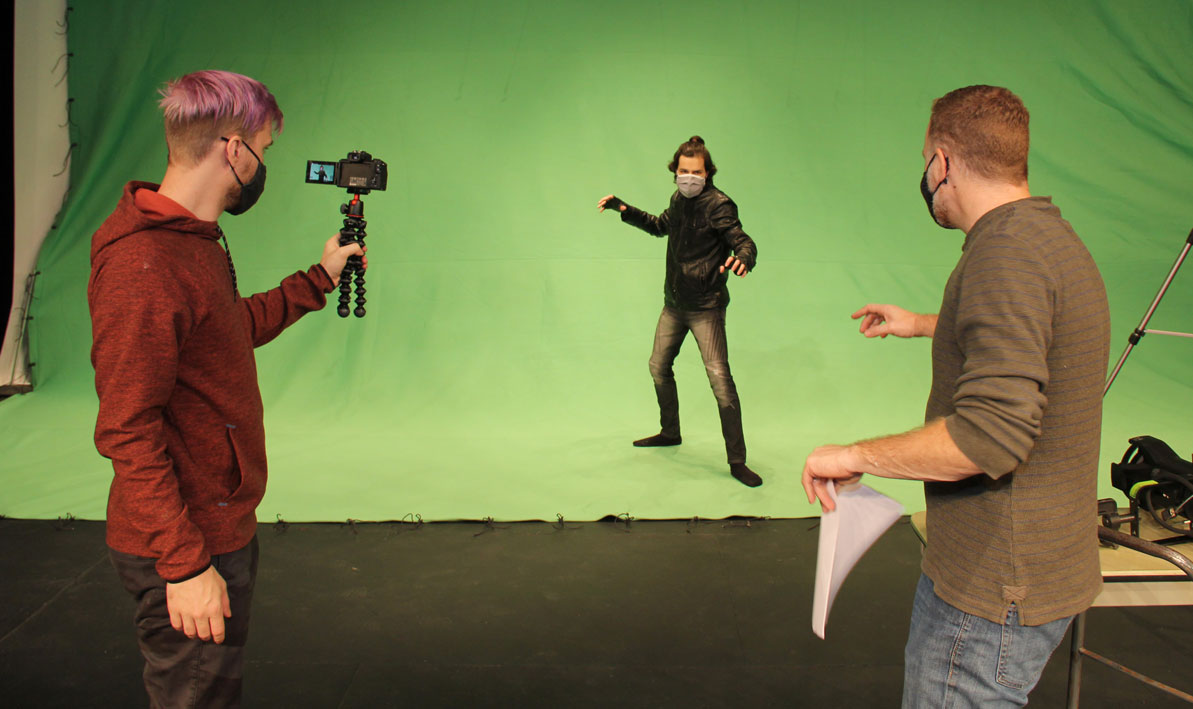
247 482
235 481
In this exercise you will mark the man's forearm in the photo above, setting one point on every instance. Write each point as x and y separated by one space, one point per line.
268 313
927 453
647 222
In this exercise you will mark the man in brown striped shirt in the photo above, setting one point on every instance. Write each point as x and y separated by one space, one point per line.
1009 453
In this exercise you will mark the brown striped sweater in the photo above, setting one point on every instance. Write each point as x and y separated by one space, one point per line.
1018 363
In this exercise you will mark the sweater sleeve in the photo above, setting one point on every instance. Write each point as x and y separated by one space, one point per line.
1004 329
268 313
725 221
140 316
649 223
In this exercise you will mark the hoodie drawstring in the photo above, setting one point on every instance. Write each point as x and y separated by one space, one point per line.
228 254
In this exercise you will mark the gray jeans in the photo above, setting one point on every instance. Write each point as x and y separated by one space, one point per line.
708 327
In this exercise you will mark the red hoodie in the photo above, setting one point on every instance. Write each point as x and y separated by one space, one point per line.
180 413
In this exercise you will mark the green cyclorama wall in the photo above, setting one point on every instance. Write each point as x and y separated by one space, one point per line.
501 370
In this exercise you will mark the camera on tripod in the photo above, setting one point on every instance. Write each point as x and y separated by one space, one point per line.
358 173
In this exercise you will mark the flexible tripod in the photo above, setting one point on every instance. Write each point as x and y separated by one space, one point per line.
353 233
1142 330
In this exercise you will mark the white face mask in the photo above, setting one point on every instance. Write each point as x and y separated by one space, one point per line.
689 185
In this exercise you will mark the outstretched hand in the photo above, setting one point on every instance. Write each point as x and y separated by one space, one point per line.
733 264
882 320
335 256
601 204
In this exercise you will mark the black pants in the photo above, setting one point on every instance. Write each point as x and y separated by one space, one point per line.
708 327
180 671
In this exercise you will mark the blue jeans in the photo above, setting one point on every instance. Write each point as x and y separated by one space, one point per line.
708 327
954 659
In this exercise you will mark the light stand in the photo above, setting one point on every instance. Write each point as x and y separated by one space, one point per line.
1142 330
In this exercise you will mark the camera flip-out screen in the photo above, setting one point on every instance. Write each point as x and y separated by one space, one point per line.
322 173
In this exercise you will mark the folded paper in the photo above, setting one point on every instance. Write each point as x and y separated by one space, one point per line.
861 516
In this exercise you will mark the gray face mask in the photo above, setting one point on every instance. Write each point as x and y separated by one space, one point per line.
689 185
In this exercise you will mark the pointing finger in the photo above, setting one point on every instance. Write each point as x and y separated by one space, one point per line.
866 309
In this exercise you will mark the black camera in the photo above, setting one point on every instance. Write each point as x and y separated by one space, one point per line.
359 173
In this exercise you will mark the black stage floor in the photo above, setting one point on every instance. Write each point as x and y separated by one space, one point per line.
651 614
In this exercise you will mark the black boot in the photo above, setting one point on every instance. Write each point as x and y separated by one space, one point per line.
658 440
744 475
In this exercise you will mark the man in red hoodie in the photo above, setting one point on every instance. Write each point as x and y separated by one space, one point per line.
180 413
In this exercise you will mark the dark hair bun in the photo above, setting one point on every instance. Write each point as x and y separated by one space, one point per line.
696 139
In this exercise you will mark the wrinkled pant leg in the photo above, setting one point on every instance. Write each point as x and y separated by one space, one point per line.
181 671
708 327
669 335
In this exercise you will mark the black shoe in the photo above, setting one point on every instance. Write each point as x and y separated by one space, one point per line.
744 475
657 440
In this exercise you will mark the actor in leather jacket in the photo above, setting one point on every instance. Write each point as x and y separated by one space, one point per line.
705 241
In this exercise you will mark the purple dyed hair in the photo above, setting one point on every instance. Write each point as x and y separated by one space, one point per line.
204 105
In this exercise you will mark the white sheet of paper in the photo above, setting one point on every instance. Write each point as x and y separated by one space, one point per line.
862 516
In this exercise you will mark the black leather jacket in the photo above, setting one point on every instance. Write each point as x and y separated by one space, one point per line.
702 232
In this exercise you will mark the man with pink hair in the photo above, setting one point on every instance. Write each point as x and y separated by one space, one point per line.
180 412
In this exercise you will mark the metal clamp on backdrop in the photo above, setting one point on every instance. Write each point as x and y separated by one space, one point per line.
360 174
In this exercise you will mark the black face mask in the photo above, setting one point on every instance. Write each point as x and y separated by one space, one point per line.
250 191
930 195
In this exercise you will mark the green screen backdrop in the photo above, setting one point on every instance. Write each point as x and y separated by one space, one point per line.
501 370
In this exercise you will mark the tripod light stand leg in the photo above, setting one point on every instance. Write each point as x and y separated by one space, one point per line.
1140 331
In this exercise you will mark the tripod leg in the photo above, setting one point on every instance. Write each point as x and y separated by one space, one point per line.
345 290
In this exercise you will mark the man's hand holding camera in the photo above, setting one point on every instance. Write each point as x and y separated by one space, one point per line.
335 256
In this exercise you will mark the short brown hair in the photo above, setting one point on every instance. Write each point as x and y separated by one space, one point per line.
987 126
690 149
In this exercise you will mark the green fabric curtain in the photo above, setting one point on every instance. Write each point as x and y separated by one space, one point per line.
501 370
